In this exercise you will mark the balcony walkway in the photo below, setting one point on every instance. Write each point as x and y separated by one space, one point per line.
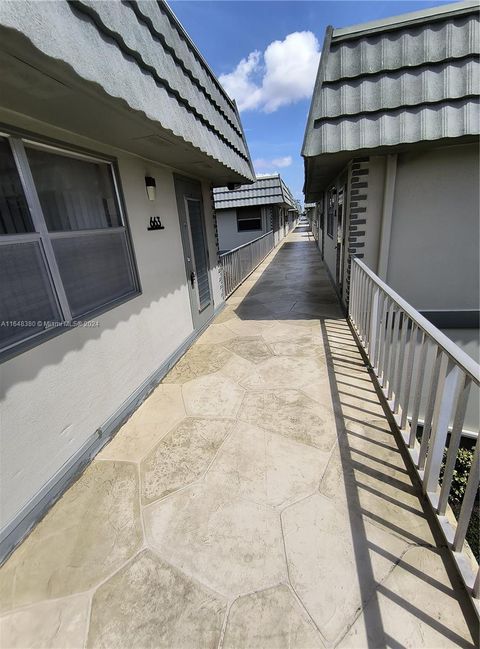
256 500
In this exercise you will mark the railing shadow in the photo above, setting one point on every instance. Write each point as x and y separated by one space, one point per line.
380 497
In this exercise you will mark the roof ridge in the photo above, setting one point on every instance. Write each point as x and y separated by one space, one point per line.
400 21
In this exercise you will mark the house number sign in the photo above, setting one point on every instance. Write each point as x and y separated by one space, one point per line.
155 223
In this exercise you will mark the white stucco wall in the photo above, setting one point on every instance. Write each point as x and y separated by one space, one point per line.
228 235
434 247
54 396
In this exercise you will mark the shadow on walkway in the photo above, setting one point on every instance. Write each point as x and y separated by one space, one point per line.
256 500
366 478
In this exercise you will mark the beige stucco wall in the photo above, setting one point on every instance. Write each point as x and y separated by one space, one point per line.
434 247
54 396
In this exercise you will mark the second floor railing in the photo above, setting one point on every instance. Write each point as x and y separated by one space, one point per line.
427 381
237 264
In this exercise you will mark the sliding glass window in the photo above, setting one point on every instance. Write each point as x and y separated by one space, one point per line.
65 252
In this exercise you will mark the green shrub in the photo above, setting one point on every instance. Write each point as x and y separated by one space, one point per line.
459 482
460 472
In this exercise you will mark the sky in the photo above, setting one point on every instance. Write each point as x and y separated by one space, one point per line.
266 56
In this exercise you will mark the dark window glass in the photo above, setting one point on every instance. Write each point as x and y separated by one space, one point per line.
27 301
249 218
95 269
249 224
74 194
14 213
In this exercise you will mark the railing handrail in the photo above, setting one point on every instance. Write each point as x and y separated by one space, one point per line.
468 365
422 373
246 244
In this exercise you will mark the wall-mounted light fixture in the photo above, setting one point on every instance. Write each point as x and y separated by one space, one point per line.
151 186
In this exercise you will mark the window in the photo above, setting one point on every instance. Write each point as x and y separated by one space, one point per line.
331 206
249 219
65 253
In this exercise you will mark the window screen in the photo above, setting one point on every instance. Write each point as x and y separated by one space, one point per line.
14 214
77 260
27 300
94 269
75 194
78 195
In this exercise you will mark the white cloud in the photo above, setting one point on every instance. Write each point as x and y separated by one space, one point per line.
238 83
284 74
276 163
286 161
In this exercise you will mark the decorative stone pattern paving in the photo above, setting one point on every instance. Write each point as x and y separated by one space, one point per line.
270 619
182 456
293 414
231 544
256 500
150 604
49 625
85 537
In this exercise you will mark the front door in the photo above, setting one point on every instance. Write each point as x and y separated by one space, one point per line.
340 238
192 224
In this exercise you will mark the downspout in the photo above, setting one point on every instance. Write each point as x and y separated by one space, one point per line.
387 213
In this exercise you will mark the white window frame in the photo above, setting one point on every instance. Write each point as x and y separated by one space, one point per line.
45 238
250 218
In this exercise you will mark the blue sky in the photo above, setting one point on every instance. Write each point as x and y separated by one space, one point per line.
272 81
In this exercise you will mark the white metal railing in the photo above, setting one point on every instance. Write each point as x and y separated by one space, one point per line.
421 372
237 264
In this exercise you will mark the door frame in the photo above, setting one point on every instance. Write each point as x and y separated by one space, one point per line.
340 236
190 189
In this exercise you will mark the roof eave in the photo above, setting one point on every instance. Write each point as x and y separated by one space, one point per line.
333 163
404 20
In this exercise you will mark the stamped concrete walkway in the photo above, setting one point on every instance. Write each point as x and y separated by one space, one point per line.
256 500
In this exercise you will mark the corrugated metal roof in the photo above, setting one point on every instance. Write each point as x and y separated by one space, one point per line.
139 54
409 79
266 190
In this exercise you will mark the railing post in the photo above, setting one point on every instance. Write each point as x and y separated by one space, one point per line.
409 374
468 502
397 386
353 289
427 422
393 359
373 325
455 436
447 396
384 319
418 391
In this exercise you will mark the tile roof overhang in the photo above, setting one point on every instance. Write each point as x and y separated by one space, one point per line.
389 85
135 66
266 190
